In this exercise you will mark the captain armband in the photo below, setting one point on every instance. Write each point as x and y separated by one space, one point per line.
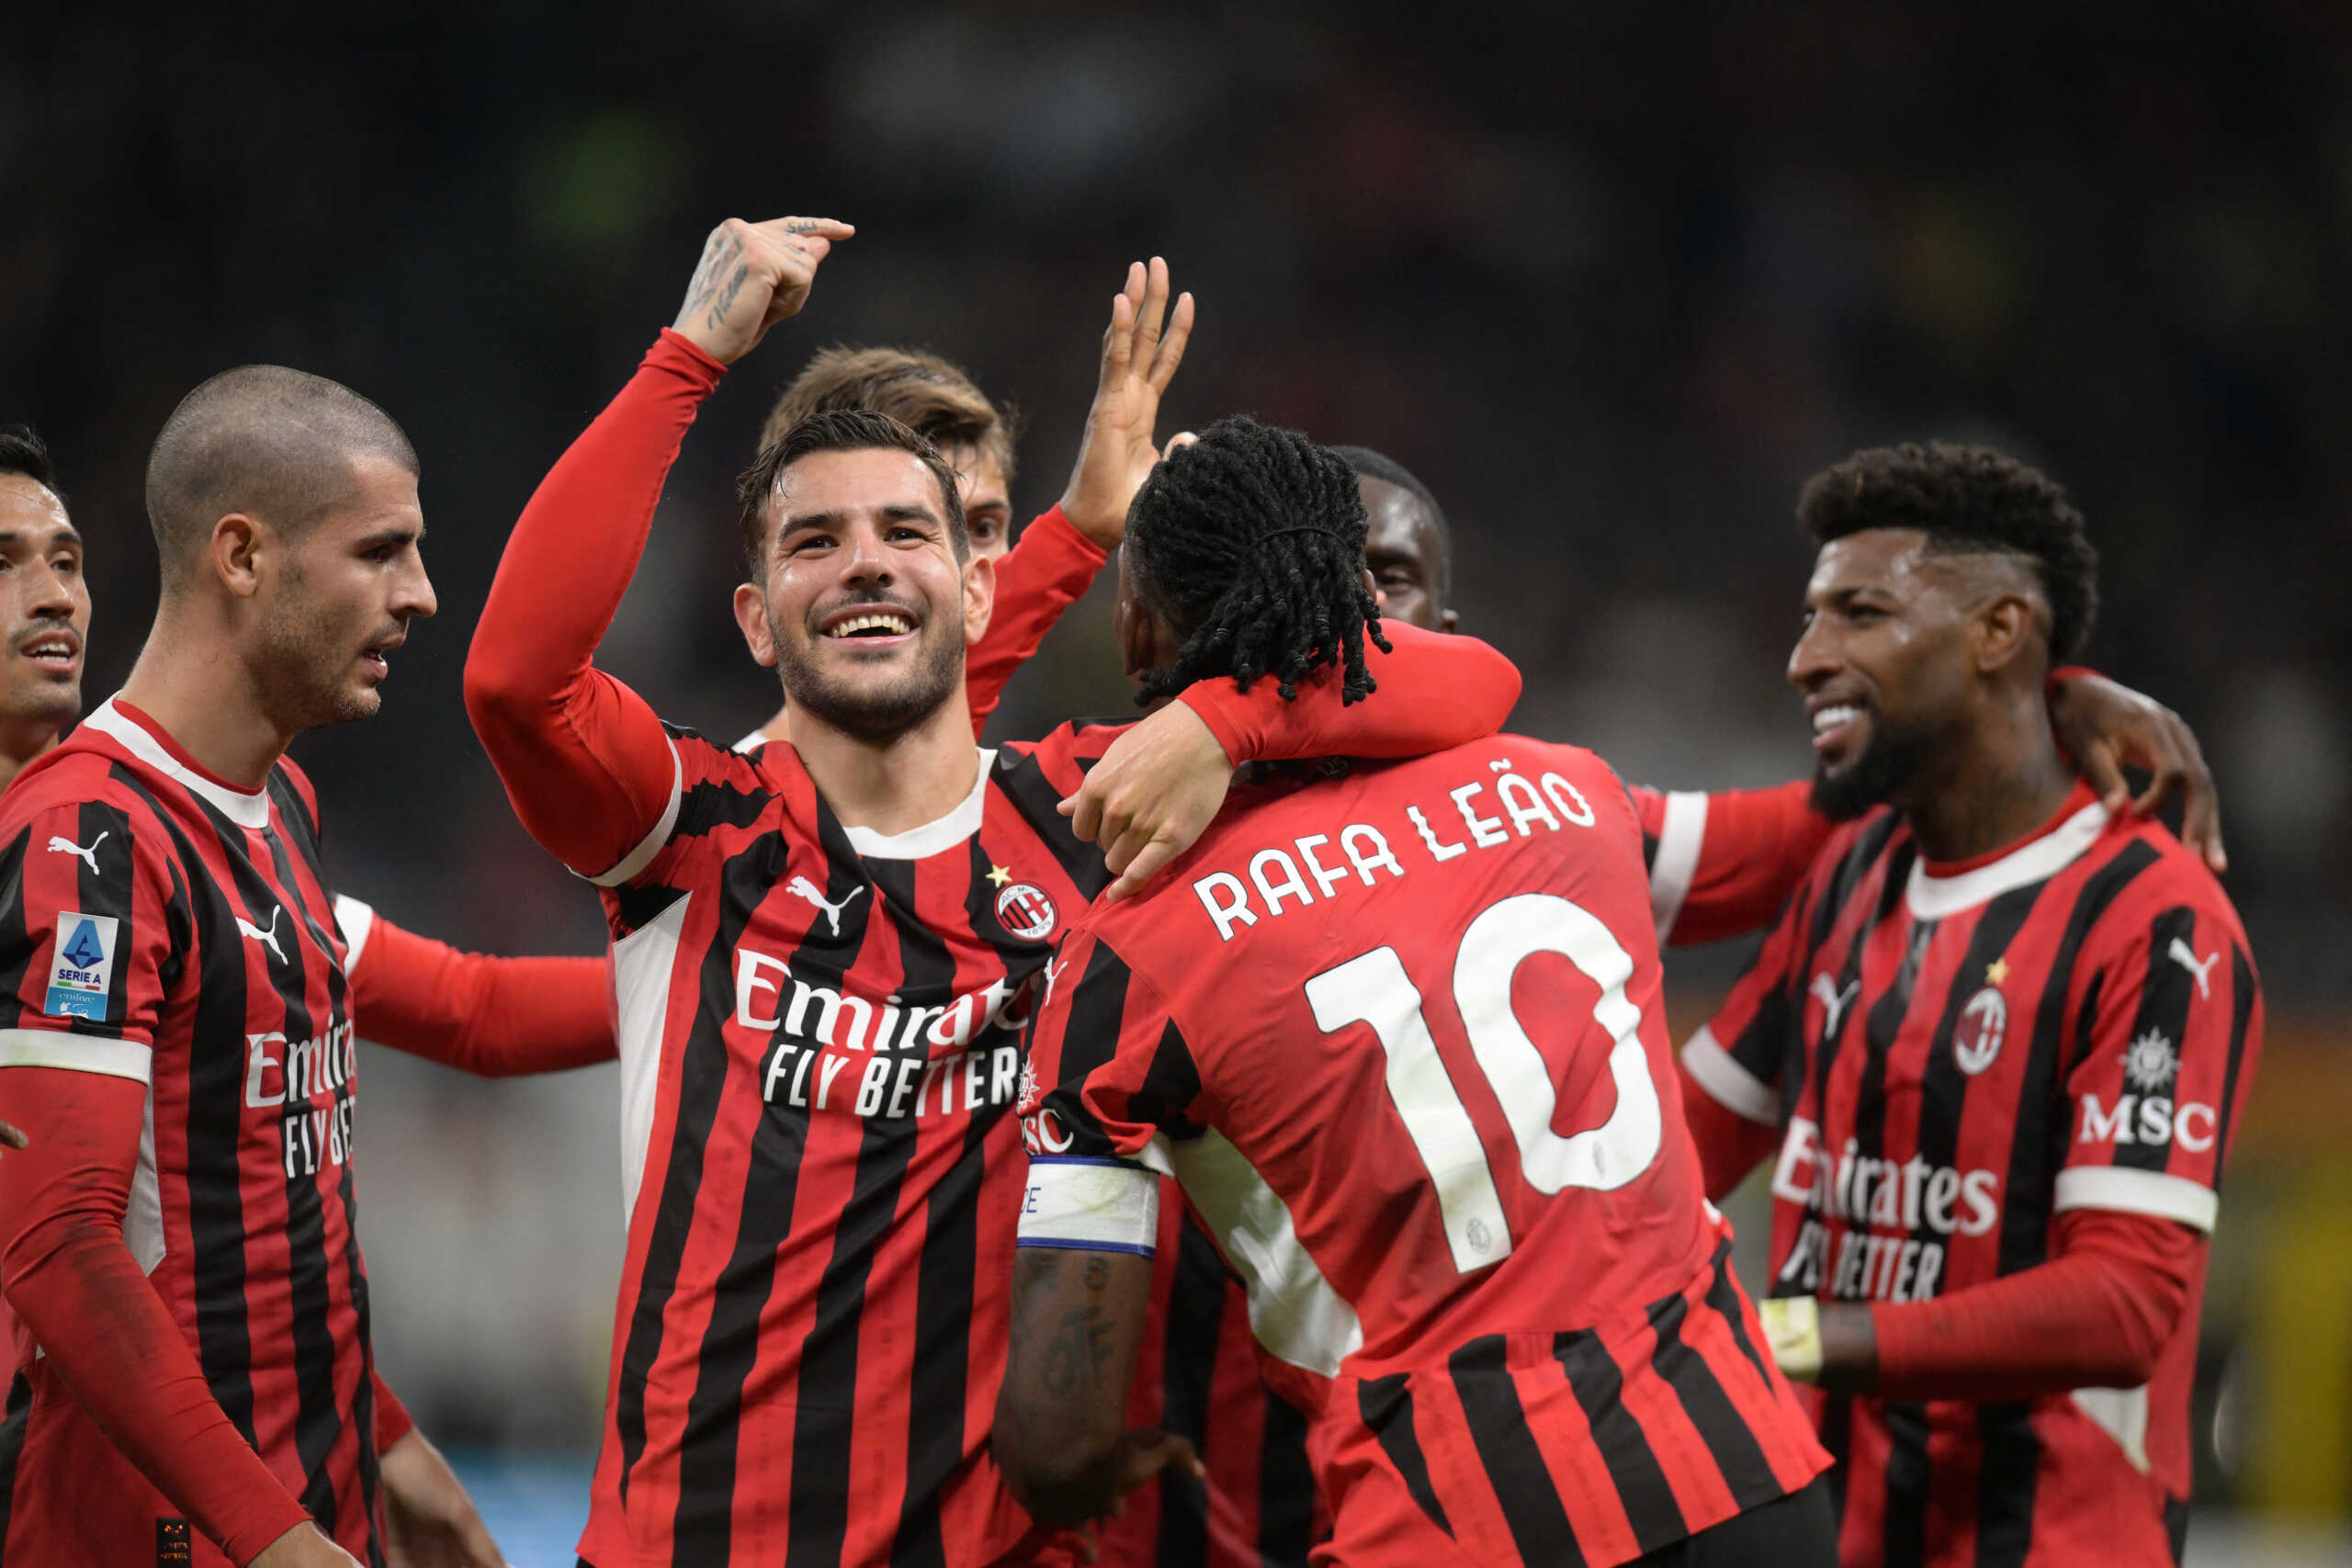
1095 1205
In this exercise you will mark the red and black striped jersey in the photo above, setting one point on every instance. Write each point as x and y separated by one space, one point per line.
1954 1055
1399 1036
1722 864
161 925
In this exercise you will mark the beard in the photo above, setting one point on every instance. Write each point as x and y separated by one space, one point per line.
301 667
863 712
1895 754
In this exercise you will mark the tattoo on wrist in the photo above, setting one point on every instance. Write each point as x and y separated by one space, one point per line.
723 249
726 301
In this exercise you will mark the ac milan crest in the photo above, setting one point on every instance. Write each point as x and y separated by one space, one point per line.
1976 1037
1024 911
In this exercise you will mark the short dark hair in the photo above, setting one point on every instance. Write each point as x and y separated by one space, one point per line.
264 440
1250 544
1967 500
1371 464
838 430
22 451
934 398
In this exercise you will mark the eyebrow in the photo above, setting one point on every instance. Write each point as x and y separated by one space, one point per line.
10 538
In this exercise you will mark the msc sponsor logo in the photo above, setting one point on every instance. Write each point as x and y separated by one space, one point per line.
2150 1119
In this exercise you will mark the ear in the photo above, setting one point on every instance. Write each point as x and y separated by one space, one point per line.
1134 630
2003 630
979 599
233 550
751 616
1449 621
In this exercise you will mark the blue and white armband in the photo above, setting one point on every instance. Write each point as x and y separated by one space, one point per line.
1096 1205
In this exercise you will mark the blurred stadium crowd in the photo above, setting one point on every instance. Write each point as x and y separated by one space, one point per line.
1611 279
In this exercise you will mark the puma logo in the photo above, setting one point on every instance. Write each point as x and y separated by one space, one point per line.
2180 953
268 938
1053 973
1834 1002
802 888
61 845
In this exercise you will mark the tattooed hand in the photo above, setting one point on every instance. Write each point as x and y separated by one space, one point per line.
753 276
1117 450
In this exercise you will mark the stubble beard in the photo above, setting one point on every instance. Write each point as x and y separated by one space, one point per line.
863 712
302 669
1896 755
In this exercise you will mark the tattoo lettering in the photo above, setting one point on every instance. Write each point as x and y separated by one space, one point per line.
805 225
724 247
726 301
1074 1355
1097 1273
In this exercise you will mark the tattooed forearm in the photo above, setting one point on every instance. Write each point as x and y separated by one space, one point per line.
1097 1273
1075 1354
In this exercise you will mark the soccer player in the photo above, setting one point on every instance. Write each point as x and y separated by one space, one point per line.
1999 1038
1397 1032
306 467
824 949
1201 1377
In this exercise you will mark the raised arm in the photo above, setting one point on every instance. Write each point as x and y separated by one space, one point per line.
586 763
1057 556
489 1016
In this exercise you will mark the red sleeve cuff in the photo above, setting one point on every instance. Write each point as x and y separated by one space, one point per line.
674 350
1224 718
2066 673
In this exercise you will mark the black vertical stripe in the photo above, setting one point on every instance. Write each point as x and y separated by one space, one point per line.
215 1096
1514 1465
2163 1015
1195 1318
1870 843
318 1419
947 1270
319 923
1633 1469
1090 1037
742 883
1837 1438
1285 1488
821 1429
1032 795
107 888
2044 1116
763 1214
1903 1536
1943 1082
1719 1423
1722 1295
15 939
13 1427
2005 1485
1894 877
2243 991
1385 1407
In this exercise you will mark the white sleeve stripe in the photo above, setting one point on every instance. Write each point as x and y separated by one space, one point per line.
2138 1192
354 921
76 1053
1728 1083
1098 1206
1679 837
637 858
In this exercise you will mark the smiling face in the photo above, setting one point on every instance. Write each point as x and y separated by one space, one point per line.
1883 663
44 614
866 609
345 588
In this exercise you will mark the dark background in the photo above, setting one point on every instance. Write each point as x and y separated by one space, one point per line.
1613 279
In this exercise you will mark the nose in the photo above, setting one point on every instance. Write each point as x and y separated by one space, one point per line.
866 562
1816 657
415 595
52 595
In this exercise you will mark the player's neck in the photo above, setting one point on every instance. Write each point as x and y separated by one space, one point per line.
201 692
2000 784
20 743
891 786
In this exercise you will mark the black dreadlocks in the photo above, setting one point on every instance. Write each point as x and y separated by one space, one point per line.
1250 544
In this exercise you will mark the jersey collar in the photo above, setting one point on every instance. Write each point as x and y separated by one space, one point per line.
146 740
1933 894
938 834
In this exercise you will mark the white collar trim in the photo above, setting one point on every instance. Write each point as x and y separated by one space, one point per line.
245 810
1934 897
942 833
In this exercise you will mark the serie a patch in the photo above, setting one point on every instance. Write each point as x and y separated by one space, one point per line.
82 970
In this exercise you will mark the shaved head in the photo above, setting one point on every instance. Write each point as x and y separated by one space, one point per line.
271 443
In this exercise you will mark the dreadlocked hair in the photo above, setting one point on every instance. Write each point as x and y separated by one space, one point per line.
1250 544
